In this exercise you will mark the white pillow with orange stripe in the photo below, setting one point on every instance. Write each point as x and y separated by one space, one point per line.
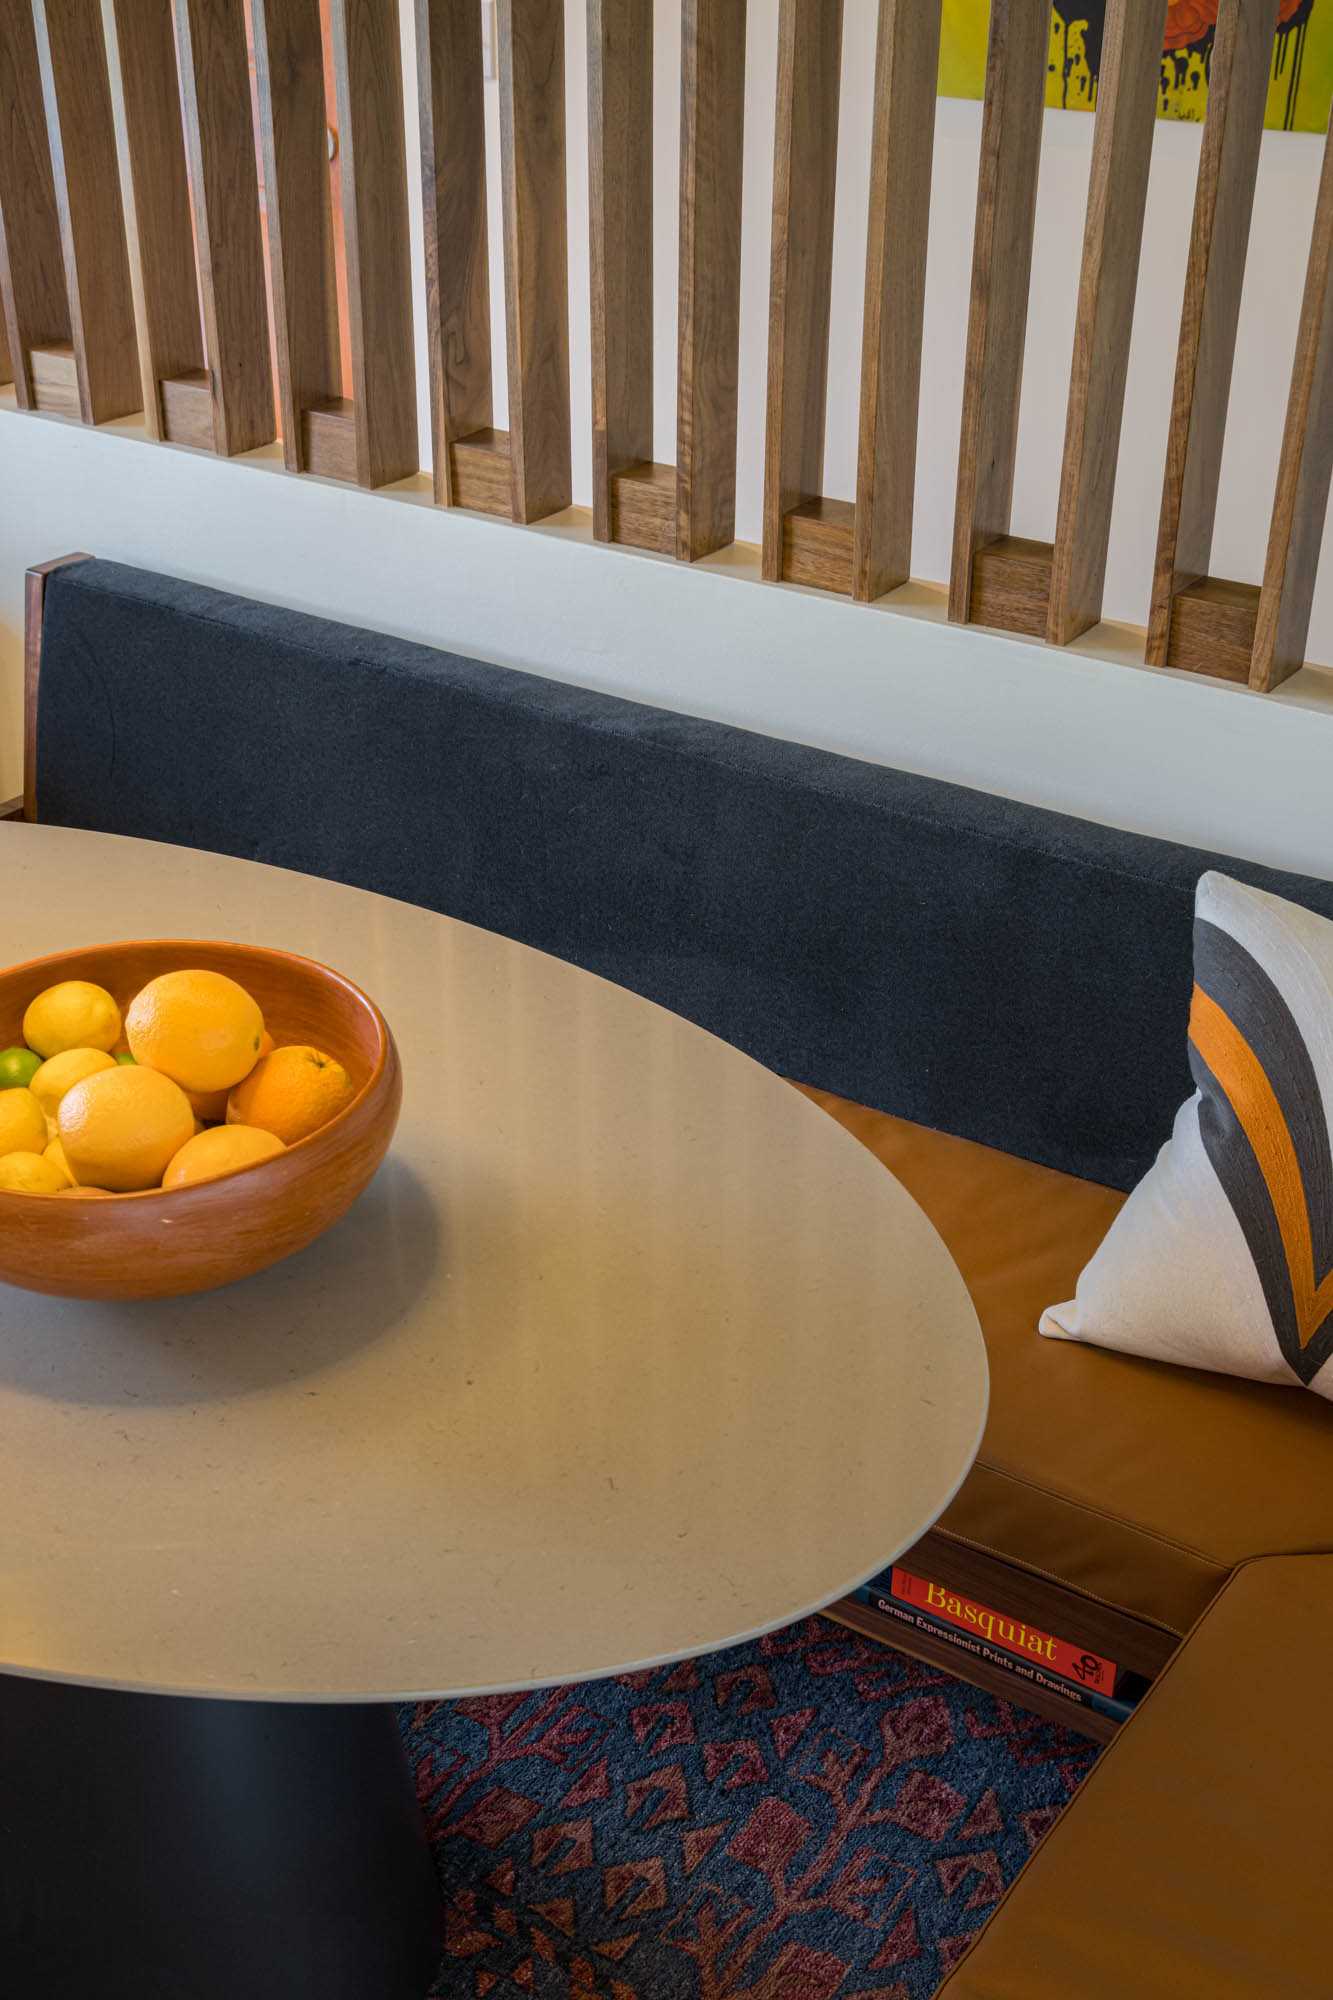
1222 1257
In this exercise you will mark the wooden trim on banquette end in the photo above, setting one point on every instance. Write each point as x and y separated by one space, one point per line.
1049 1605
34 600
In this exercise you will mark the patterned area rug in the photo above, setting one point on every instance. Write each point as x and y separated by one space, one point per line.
805 1817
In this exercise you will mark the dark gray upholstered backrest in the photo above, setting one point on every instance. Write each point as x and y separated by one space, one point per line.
1008 974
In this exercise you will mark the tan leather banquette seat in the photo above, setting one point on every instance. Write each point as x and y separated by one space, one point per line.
1194 1860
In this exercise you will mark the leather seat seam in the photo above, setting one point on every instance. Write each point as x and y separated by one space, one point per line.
1113 1520
1066 1583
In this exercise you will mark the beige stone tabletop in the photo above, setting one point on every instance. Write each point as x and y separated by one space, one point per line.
628 1352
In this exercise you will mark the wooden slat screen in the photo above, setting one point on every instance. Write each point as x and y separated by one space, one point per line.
523 473
370 434
95 375
136 186
32 277
1196 621
191 196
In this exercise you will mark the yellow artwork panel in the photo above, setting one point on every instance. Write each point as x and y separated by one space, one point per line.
1300 87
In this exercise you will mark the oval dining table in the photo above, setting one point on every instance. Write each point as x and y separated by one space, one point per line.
628 1353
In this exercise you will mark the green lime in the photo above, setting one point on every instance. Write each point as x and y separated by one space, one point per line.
18 1067
124 1057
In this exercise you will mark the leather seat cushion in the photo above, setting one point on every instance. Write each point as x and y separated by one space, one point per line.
1194 1860
1137 1483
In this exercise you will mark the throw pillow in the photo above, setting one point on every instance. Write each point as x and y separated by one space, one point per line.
1222 1257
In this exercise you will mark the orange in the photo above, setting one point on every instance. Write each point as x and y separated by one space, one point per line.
122 1128
208 1106
73 1015
220 1151
291 1093
55 1153
199 1028
83 1190
60 1073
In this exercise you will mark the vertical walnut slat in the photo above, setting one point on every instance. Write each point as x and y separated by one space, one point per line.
150 139
1304 469
102 375
804 186
532 163
712 143
368 67
1112 241
215 85
33 299
620 187
902 146
293 123
1223 204
453 167
1001 275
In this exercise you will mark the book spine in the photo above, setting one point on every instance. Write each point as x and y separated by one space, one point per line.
1023 1670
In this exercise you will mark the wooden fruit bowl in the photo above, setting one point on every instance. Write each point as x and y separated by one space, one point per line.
162 1245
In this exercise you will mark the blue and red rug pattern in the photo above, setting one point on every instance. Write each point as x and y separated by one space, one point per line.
809 1817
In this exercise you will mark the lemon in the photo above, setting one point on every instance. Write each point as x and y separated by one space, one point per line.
29 1173
199 1028
55 1153
17 1068
22 1123
221 1150
73 1015
60 1073
122 1128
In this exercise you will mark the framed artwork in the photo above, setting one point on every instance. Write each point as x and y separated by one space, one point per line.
1300 85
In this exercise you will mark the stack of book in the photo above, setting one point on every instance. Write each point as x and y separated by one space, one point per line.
1083 1678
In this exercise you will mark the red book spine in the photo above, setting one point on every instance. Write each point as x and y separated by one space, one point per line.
1012 1635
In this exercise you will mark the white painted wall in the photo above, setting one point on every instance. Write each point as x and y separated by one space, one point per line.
1084 730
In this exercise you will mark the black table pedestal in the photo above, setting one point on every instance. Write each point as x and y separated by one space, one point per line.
155 1848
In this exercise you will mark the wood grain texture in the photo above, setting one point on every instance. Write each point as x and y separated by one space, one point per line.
1213 622
187 410
76 93
642 506
817 544
328 438
293 125
620 220
215 87
1300 503
54 374
902 152
712 145
1108 282
805 169
1011 585
155 192
33 299
368 65
34 601
160 1244
1011 125
6 365
1214 275
532 162
452 111
479 473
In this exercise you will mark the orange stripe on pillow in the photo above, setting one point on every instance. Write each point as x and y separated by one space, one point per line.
1251 1096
